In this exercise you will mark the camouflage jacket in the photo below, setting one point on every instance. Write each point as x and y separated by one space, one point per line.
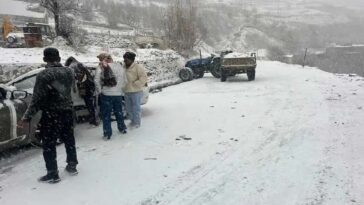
52 90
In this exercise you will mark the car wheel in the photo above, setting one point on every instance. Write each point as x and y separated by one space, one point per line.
36 140
11 39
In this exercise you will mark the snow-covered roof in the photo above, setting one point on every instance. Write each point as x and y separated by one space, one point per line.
349 46
18 8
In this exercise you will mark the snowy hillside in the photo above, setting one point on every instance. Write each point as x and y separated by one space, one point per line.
161 65
281 27
293 136
19 8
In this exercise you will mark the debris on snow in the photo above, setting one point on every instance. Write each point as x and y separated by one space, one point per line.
184 137
150 158
158 90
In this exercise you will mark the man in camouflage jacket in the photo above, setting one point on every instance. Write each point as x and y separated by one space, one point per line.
52 96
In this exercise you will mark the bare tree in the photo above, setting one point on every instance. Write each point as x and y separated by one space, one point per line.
180 25
59 9
113 13
131 15
87 10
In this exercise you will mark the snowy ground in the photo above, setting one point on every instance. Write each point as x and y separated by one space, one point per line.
293 136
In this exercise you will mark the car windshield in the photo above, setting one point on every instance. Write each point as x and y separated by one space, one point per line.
26 84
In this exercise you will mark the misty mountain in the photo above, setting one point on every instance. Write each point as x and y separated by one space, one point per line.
277 26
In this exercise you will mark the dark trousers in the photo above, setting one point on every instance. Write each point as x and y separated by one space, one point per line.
108 105
53 125
91 107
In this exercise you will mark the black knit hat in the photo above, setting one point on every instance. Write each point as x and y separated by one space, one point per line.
51 55
130 55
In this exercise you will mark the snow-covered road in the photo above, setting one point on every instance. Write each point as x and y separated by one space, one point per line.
293 136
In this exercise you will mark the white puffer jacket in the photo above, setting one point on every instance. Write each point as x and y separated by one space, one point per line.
117 90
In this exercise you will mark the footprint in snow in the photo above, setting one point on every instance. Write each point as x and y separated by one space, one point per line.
221 130
183 137
91 150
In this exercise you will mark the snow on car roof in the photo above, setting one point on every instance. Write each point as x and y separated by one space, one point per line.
26 75
7 87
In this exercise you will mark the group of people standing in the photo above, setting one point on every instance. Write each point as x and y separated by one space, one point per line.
52 95
113 82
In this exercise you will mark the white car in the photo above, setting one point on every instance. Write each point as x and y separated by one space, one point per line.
13 104
26 83
15 37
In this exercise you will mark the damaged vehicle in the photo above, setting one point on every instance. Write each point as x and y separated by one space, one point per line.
13 104
26 83
15 97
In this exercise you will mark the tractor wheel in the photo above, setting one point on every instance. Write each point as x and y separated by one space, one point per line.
215 71
251 75
186 74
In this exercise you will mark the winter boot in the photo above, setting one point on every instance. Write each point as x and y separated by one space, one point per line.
71 169
51 177
123 131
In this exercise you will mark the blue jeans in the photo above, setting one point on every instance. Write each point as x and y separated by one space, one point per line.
132 103
109 104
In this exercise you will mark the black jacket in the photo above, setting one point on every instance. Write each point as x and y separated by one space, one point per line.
84 80
52 90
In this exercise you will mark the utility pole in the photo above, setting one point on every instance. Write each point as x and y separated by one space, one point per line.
304 58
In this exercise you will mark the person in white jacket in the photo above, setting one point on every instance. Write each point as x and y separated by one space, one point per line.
110 79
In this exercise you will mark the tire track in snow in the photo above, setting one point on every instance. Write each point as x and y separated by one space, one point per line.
202 183
335 182
190 180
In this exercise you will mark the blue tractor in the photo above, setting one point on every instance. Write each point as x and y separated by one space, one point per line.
196 68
